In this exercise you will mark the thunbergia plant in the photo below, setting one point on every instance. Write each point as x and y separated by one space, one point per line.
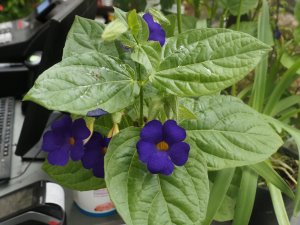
159 123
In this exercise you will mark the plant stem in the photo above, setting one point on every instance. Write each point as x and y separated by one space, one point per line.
223 17
179 18
141 96
238 20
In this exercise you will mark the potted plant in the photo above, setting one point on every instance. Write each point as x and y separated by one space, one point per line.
147 120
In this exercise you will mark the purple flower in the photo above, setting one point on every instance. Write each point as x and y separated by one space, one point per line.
93 157
65 139
162 146
96 112
156 31
277 33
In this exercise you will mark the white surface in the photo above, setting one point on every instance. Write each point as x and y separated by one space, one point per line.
55 194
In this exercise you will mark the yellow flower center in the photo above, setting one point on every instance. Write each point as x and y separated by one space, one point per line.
162 146
71 141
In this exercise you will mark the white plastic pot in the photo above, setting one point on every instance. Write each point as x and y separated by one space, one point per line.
95 203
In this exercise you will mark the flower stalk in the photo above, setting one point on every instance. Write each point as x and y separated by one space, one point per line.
179 17
141 96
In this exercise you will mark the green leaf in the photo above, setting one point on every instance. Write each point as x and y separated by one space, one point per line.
249 27
143 34
148 55
113 30
296 34
205 61
218 193
286 79
157 15
235 6
85 36
185 114
121 15
227 209
296 135
297 10
228 132
133 22
288 61
74 176
264 29
103 124
278 204
246 197
143 198
270 175
85 82
285 104
264 33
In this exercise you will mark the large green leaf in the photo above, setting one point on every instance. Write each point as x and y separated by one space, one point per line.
74 176
228 132
148 55
85 82
236 6
204 61
142 198
85 36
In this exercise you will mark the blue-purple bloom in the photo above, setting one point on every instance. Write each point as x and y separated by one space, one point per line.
157 33
94 152
161 146
64 140
277 33
96 113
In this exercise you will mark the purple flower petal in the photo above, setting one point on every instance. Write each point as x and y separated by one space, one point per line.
179 153
89 158
96 142
159 162
173 133
96 112
51 141
80 130
98 168
59 157
93 157
64 124
76 151
155 30
152 132
168 168
145 150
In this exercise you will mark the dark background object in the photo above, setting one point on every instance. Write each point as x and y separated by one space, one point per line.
59 22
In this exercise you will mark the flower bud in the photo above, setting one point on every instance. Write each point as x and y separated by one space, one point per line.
114 130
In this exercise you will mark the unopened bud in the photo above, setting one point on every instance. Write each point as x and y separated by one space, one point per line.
114 130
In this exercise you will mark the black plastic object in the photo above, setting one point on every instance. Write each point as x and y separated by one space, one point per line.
7 108
60 20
